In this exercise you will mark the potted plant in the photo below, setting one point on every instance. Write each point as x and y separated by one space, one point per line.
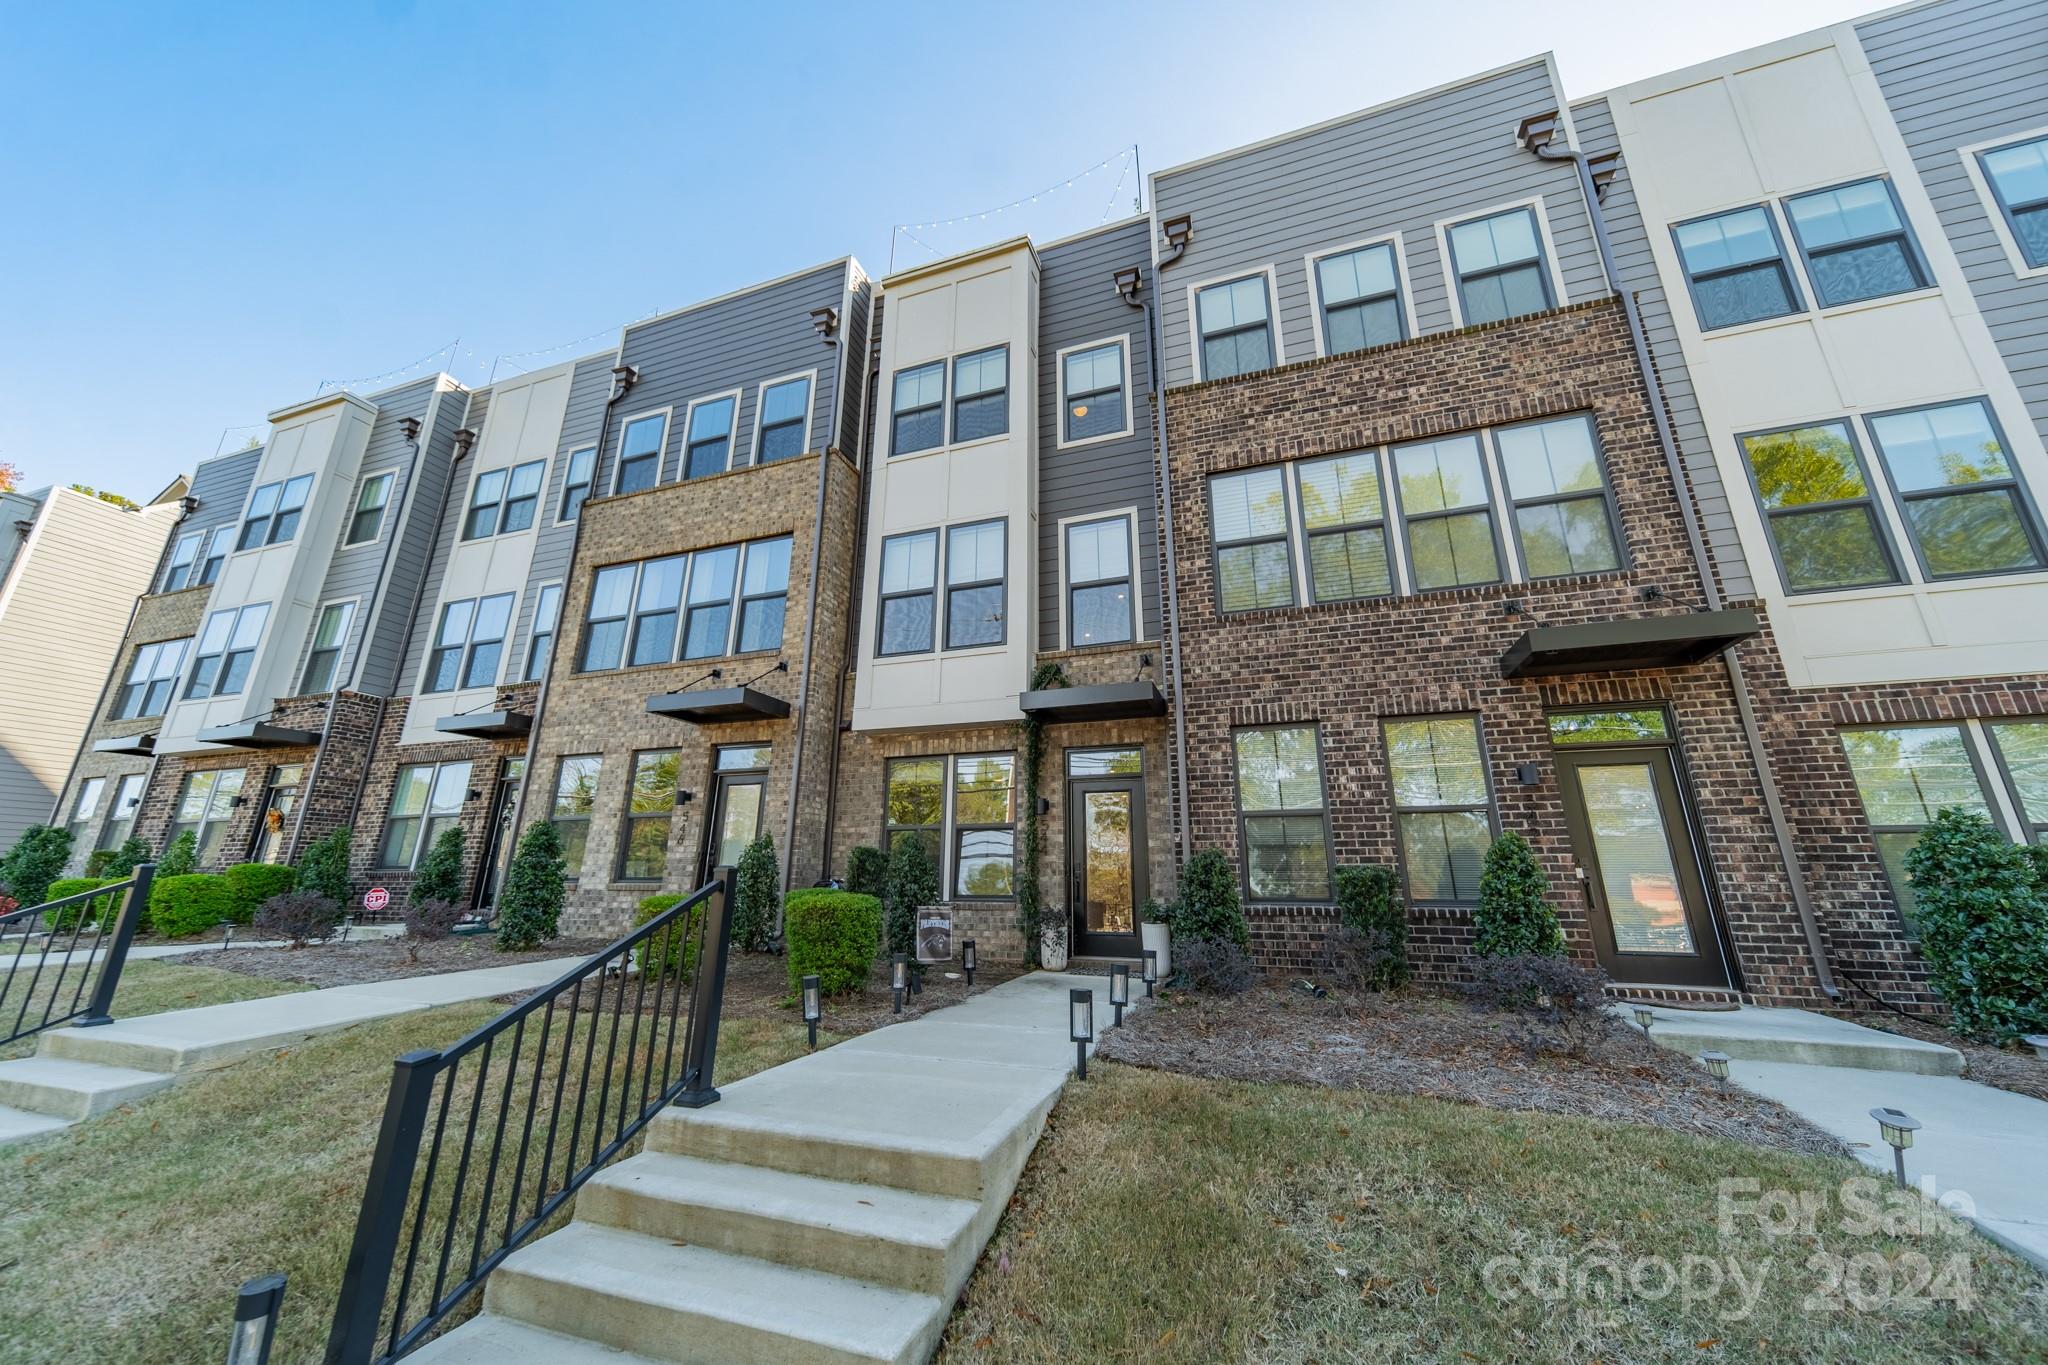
1052 946
1155 933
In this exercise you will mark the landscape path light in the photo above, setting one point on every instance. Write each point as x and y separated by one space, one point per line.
1645 1016
967 960
1119 989
899 978
814 1008
1081 1026
256 1309
1151 970
1716 1062
1898 1128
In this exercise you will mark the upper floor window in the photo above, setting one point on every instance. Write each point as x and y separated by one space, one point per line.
330 636
1818 509
974 584
1092 402
503 500
1248 514
1958 494
717 601
227 647
1282 817
981 394
547 613
1855 242
576 482
2019 181
910 569
707 443
469 643
640 453
180 571
1345 518
1236 326
1360 294
918 409
426 799
785 420
1443 807
1500 267
371 500
1447 505
1735 267
1564 521
216 554
764 595
274 512
1101 608
151 678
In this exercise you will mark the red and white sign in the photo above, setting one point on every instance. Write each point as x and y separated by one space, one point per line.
376 898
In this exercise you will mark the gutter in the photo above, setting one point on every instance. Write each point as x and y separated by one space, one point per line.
1172 575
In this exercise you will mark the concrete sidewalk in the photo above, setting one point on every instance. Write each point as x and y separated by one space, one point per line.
1759 1033
144 952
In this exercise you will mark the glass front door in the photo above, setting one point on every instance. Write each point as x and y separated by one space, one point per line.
735 819
1106 863
280 802
498 833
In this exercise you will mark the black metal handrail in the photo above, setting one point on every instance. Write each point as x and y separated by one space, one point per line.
415 1224
91 982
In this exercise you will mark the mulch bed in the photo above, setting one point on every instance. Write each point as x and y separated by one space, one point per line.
1411 1043
2014 1068
381 959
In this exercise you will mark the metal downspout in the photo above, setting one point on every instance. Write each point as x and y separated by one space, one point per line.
803 685
1172 576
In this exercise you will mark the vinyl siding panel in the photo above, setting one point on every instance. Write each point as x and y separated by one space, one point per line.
853 355
588 388
221 487
435 519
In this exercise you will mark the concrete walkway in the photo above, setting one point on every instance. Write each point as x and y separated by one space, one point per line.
143 952
826 1210
1759 1034
80 1072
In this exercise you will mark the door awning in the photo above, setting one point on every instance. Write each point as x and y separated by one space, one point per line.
486 724
718 706
258 734
1671 641
141 745
1095 701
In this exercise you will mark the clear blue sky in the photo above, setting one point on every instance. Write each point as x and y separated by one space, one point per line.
211 208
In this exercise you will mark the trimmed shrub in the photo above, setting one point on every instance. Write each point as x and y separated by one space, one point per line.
1513 917
1369 906
132 854
677 944
256 884
1982 914
831 935
913 885
1208 910
323 866
428 922
191 903
530 902
753 910
99 909
867 870
440 874
97 860
300 916
1213 966
1559 1005
181 857
37 859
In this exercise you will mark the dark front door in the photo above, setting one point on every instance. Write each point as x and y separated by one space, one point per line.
1106 863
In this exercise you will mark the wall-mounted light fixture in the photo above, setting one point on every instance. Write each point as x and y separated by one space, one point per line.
826 320
1528 774
684 798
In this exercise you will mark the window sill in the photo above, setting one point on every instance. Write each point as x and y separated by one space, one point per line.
976 444
1835 310
1126 434
707 662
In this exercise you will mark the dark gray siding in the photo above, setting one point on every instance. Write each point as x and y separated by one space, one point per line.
1956 74
1402 168
1078 304
1594 121
412 521
853 355
433 526
588 388
221 487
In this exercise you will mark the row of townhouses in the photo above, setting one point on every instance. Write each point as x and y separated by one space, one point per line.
1656 474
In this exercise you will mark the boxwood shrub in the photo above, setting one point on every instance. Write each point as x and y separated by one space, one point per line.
191 904
677 944
65 920
833 935
255 883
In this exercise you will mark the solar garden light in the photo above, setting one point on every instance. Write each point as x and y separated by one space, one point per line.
814 1008
1081 1026
1716 1062
256 1320
1645 1016
1119 989
1151 970
899 978
1898 1128
967 960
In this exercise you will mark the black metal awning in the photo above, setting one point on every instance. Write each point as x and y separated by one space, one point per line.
1671 641
1095 701
258 734
486 724
142 745
718 706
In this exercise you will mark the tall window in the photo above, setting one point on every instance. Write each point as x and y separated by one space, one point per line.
1817 506
121 818
785 420
227 646
709 626
1735 267
469 643
1282 823
2019 180
330 635
764 595
274 512
371 500
2022 749
184 560
204 803
1345 518
707 447
216 554
657 610
981 394
575 799
152 677
984 825
918 409
1248 512
576 482
915 802
1360 293
426 799
1957 490
1905 776
83 812
604 632
640 453
910 567
503 500
1236 325
1564 522
1855 242
547 614
1092 393
650 807
974 584
1500 267
1101 609
1448 509
1443 811
730 599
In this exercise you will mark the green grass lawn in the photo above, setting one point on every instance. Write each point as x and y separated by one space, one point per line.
1170 1218
148 987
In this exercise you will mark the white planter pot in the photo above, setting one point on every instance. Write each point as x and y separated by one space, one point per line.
1155 937
1052 951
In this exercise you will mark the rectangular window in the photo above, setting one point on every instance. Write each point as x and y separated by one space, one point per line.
576 483
227 646
1360 294
426 799
1092 401
204 804
680 606
1904 777
152 677
1447 511
918 410
910 566
1735 267
707 445
1958 492
1282 824
709 625
640 453
330 636
1817 506
974 584
785 420
604 631
82 813
764 595
1345 516
1443 808
984 825
1104 762
1236 327
371 500
657 610
981 394
1564 519
1856 243
547 614
121 819
2022 749
915 802
503 500
178 574
743 758
469 643
650 807
2019 180
1101 608
274 512
1248 519
216 554
575 799
1500 267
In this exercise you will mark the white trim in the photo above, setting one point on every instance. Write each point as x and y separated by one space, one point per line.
760 396
1985 196
1315 297
938 648
1272 314
355 506
235 548
1392 522
1059 389
1129 515
1512 569
1442 228
354 604
532 615
2011 820
568 458
732 435
667 415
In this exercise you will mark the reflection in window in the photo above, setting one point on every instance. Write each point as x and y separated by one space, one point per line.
1609 727
640 453
1280 813
1562 520
1958 492
575 800
1248 516
918 414
1443 811
204 804
984 825
1360 293
1818 509
2023 752
1500 269
1856 243
1905 776
707 447
914 802
1092 385
1345 517
1105 762
2019 180
974 584
1100 609
1237 333
425 800
650 808
785 419
1736 268
1448 513
981 394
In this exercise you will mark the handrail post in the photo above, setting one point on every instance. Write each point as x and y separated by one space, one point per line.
366 1281
702 1057
101 1010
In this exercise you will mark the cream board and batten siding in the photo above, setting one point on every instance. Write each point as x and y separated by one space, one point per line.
989 298
325 438
1800 115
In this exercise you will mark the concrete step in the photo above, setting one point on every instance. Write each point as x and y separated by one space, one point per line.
692 1304
492 1340
73 1090
896 1238
18 1125
1756 1033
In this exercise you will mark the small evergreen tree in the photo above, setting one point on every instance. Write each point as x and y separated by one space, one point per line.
1369 904
1208 910
181 857
323 866
35 861
753 911
530 902
867 870
132 853
913 884
1982 914
440 874
1513 917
